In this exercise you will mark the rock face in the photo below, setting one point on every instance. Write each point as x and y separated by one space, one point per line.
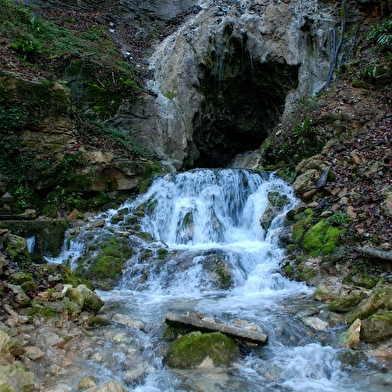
227 74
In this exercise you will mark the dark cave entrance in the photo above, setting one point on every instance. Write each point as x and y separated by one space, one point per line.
243 101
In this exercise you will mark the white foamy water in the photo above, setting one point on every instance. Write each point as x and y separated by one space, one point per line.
199 217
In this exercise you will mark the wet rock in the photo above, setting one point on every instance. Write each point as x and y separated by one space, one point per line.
274 208
218 271
88 382
377 327
352 358
111 386
127 321
192 349
315 323
351 337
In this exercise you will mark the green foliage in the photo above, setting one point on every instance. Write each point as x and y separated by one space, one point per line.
382 34
303 130
26 47
339 218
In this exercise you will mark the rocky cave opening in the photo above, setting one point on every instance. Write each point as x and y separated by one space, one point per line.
243 99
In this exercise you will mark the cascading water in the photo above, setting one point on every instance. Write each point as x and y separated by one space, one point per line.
211 255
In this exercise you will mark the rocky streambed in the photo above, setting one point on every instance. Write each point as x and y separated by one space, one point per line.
340 328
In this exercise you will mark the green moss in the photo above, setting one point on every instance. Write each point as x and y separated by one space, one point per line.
302 221
291 248
46 312
225 277
306 274
104 260
162 252
20 277
322 238
192 349
288 269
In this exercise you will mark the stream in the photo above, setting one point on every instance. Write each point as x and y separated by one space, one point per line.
196 219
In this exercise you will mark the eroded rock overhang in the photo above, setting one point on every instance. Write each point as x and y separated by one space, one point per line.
222 81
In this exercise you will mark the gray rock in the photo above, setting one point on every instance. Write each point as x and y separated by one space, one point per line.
92 303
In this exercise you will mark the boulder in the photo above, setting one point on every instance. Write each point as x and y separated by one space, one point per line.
92 303
76 296
377 327
324 293
351 337
20 297
17 249
381 298
88 382
347 300
306 182
192 349
127 321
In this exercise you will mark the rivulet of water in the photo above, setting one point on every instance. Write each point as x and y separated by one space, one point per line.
196 217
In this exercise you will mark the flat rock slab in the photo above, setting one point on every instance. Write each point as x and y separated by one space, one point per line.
204 325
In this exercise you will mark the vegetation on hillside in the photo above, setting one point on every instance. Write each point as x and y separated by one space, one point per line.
73 69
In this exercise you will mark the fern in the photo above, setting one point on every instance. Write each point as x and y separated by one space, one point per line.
382 34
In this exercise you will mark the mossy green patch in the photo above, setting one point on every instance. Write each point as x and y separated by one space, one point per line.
104 260
321 238
302 221
192 349
162 252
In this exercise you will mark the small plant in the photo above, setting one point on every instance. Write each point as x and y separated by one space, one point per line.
27 48
382 34
170 95
339 218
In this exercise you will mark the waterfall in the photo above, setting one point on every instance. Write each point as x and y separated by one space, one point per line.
30 243
209 254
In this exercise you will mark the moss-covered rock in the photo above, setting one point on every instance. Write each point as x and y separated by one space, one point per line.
322 238
53 273
346 301
49 235
218 271
302 220
352 357
91 301
324 293
17 250
381 298
104 261
192 349
377 327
